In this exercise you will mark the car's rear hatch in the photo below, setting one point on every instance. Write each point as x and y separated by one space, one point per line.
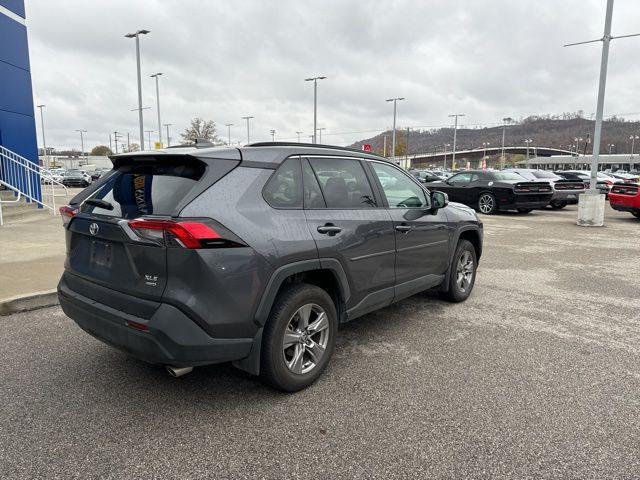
118 235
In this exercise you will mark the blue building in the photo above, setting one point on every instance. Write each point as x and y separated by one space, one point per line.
17 122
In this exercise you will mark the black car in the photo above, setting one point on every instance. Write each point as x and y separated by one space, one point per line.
585 178
490 191
192 256
74 178
426 176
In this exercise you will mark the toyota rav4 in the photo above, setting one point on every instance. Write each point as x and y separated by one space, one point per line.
191 256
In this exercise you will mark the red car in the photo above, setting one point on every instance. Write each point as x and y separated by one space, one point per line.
625 198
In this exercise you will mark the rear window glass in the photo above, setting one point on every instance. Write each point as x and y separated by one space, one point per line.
145 189
507 176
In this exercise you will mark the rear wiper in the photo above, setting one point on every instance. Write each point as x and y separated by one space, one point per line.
96 202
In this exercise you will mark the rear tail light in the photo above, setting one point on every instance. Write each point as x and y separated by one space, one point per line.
186 234
67 212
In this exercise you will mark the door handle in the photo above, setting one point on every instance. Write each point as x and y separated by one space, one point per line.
329 229
403 228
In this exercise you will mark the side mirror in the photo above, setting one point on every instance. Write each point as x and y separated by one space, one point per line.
439 200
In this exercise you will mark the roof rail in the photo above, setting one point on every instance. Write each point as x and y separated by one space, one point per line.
312 145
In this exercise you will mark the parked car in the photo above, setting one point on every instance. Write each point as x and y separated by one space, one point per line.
625 198
565 192
625 177
426 176
75 178
490 191
601 185
193 256
98 172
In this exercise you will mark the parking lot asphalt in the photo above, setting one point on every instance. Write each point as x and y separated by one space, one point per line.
536 376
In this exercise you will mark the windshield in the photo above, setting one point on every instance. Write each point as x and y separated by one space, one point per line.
507 176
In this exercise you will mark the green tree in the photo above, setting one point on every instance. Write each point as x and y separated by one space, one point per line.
101 151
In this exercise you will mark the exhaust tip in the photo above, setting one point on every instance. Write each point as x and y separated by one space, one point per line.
178 371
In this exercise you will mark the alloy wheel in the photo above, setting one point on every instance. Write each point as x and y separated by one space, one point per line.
305 338
486 203
464 271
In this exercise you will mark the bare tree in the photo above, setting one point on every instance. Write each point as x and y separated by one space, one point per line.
200 128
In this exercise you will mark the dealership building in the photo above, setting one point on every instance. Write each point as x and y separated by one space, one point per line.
17 121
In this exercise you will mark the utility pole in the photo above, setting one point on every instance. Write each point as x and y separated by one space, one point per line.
315 102
82 143
320 137
156 76
115 139
455 136
136 35
528 141
149 132
247 119
273 135
228 125
168 137
44 142
393 136
298 133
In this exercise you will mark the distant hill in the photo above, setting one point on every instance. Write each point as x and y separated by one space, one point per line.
545 131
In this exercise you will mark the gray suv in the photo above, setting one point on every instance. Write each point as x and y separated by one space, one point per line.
191 256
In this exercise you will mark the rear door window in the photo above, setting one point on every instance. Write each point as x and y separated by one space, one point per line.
343 182
145 189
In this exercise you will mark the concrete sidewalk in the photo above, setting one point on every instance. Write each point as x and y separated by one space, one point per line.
32 255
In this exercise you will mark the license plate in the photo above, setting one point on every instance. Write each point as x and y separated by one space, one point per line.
101 254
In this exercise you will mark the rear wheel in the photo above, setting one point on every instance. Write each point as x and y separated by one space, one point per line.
558 205
462 275
487 204
525 210
298 338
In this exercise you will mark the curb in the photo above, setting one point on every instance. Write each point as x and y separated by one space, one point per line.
32 301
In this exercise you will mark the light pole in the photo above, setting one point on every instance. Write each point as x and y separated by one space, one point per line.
128 143
82 132
168 137
315 102
229 125
44 142
528 141
633 139
505 120
320 136
485 145
273 135
577 140
136 35
116 135
393 136
247 119
156 76
444 149
149 132
611 145
298 133
455 135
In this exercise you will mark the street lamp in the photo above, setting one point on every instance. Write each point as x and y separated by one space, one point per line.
393 136
273 135
156 76
247 119
444 148
320 129
168 137
136 35
528 141
116 136
229 125
455 136
148 132
298 133
611 145
485 145
82 143
315 102
633 139
577 140
505 120
44 142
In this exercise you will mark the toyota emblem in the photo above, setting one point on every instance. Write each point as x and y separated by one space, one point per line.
93 229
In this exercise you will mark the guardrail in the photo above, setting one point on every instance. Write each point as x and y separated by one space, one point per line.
27 179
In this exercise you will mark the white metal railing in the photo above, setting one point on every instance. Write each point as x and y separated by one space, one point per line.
29 180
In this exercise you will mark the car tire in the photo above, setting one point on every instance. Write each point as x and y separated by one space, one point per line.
487 204
292 356
525 210
558 205
464 262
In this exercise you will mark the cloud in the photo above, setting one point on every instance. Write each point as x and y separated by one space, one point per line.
225 60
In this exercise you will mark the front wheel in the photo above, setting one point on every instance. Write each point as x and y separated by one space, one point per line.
298 338
462 276
487 204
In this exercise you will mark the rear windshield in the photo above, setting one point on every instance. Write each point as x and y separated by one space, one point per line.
507 176
146 189
544 174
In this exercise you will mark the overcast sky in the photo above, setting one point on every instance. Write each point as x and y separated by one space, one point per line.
226 59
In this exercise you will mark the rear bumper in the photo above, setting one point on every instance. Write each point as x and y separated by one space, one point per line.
172 338
530 204
625 208
571 197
